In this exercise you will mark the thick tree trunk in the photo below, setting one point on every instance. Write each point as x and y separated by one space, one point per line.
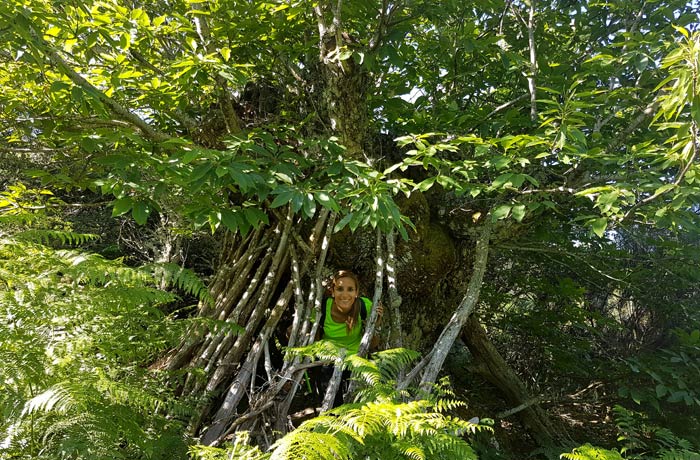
344 81
494 368
433 361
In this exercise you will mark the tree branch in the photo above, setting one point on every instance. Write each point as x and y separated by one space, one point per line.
533 62
646 113
233 122
676 182
560 253
116 108
465 308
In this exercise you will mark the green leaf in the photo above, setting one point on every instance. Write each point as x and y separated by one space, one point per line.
501 212
426 184
122 206
343 222
141 212
256 217
599 226
200 171
664 189
309 205
230 219
661 390
682 30
284 196
327 201
518 212
695 109
225 53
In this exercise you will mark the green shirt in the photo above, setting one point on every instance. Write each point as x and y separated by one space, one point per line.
337 333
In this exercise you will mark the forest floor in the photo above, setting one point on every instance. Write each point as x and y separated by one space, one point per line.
585 414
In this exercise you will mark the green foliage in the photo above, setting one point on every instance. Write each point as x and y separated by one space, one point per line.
641 440
131 101
669 376
238 449
381 423
382 426
589 452
644 440
208 177
78 334
22 207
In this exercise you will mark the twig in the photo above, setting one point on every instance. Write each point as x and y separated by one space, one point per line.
521 407
554 251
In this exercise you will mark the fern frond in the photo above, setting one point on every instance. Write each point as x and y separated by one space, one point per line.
446 405
311 446
392 361
674 454
410 450
361 421
590 452
442 445
237 451
364 370
137 398
321 350
170 274
49 236
57 398
384 391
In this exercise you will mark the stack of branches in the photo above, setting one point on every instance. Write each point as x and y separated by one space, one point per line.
257 278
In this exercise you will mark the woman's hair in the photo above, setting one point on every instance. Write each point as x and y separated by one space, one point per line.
354 315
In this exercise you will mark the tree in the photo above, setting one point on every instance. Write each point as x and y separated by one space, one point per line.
265 123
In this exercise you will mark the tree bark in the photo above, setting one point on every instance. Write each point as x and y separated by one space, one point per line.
531 78
495 369
436 357
394 310
345 83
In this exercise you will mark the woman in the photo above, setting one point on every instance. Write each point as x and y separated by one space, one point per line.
345 311
342 317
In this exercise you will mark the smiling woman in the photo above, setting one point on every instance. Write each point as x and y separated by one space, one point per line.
345 311
341 324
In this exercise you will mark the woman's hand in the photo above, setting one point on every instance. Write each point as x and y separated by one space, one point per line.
380 310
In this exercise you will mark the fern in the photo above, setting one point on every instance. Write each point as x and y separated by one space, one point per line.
589 452
380 429
66 238
382 423
391 362
238 450
674 454
639 437
58 398
77 329
169 274
322 350
312 445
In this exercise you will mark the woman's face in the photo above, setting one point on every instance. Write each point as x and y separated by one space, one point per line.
344 293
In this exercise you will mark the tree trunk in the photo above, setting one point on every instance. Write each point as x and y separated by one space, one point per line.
433 361
221 360
344 82
495 369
